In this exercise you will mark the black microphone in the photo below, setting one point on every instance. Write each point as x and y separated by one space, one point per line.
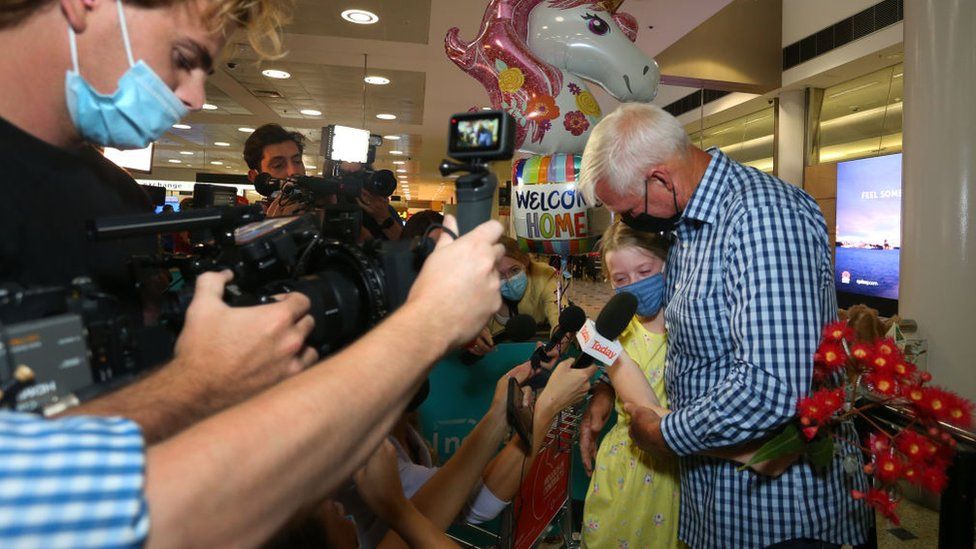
519 328
571 319
266 185
612 322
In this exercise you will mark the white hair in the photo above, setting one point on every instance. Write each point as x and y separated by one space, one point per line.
625 143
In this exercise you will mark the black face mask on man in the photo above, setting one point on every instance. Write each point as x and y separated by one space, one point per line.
648 223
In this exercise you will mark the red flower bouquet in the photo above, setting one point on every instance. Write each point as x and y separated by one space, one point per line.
850 378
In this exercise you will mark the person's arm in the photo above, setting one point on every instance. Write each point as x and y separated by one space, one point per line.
505 473
775 279
378 483
594 419
237 476
443 497
629 382
214 366
378 208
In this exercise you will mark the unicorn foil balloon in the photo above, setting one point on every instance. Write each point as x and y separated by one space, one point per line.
535 57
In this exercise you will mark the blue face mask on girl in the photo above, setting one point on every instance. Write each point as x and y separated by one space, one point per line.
139 112
649 293
514 288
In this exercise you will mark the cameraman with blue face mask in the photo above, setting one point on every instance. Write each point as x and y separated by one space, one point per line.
99 76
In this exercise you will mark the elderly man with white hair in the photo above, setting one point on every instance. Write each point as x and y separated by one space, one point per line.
749 289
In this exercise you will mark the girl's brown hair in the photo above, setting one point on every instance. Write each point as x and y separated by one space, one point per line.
619 236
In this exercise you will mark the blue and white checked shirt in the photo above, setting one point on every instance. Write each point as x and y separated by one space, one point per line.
75 482
750 286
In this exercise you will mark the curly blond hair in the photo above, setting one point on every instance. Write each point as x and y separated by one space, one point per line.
261 20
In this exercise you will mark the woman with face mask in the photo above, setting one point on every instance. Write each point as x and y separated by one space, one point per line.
528 288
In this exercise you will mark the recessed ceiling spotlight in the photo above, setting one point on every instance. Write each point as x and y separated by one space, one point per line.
399 162
386 116
310 167
377 80
401 170
392 137
217 163
310 112
276 74
175 161
221 143
209 107
182 126
360 17
245 129
396 152
186 153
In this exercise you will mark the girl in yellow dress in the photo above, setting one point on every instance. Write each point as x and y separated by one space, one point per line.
632 501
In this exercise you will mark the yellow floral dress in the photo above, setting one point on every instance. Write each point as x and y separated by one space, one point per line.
632 502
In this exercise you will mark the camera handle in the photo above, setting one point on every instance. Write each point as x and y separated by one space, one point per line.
475 192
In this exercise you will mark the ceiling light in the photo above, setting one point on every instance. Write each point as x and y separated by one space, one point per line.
245 129
396 152
186 153
401 171
310 167
399 162
854 89
277 74
360 17
217 163
175 161
392 137
221 143
182 126
386 116
310 112
486 108
209 107
377 80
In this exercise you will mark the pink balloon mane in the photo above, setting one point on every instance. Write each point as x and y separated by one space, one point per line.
501 42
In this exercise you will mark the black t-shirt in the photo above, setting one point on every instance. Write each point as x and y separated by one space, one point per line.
48 193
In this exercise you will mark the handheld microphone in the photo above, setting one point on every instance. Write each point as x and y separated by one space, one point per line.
599 340
571 319
519 328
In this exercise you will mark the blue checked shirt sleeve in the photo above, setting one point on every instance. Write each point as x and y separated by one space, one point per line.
75 482
774 283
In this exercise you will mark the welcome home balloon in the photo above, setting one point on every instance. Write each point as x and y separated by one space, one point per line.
551 216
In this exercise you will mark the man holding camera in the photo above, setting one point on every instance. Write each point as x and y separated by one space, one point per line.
273 150
120 74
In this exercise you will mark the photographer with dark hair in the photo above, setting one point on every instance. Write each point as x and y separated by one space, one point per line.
120 74
278 152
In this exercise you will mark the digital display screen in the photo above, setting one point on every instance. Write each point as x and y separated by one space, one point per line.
139 160
173 201
477 134
869 226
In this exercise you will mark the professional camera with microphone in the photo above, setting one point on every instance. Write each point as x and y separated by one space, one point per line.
351 286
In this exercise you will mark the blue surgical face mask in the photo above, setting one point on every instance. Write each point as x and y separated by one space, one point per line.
139 112
514 288
649 293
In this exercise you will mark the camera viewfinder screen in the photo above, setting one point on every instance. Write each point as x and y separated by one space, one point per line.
477 134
